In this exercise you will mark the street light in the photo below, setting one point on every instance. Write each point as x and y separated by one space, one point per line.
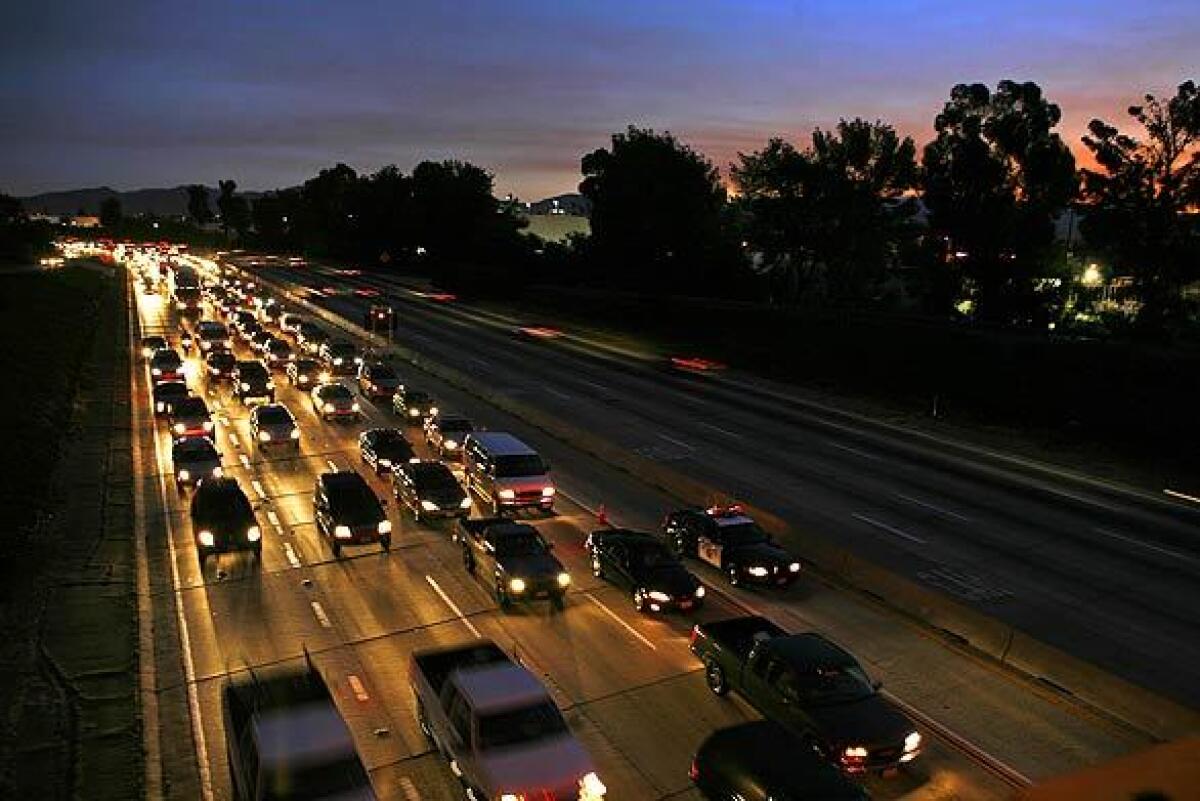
1091 275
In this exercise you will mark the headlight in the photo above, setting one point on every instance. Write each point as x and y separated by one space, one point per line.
591 788
341 532
564 579
429 506
517 585
757 571
264 436
184 475
466 504
794 567
270 385
507 494
661 597
324 376
384 527
160 406
295 433
855 752
700 591
207 425
206 539
547 492
180 428
218 471
155 371
245 387
358 359
329 407
354 407
385 462
912 742
338 360
433 410
253 534
147 353
450 444
414 412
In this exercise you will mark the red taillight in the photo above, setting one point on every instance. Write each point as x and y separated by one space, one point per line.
694 771
694 636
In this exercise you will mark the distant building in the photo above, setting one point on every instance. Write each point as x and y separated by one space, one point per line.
53 219
85 221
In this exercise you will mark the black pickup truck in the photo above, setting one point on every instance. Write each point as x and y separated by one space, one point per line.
286 739
514 559
809 685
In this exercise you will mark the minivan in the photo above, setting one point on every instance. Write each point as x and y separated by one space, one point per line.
506 472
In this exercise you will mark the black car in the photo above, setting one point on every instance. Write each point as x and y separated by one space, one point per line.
413 405
311 337
165 365
513 559
194 459
223 519
733 543
429 489
341 358
445 433
376 381
384 449
763 761
347 512
166 394
640 564
304 373
251 381
153 344
219 365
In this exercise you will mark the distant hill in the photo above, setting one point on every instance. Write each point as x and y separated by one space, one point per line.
162 202
569 203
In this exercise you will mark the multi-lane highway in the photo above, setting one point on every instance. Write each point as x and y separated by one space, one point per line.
628 685
1107 574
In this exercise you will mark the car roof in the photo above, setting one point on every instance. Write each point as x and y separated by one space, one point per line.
186 444
500 686
501 443
809 651
309 733
343 479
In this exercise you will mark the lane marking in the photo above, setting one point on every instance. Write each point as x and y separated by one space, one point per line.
933 507
889 529
290 553
332 465
1181 495
720 430
554 391
1148 546
234 439
258 488
678 442
617 618
245 460
360 692
322 618
453 607
274 518
864 454
593 385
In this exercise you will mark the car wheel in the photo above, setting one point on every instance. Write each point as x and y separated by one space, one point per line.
385 542
714 677
735 577
558 602
495 506
337 550
639 600
597 568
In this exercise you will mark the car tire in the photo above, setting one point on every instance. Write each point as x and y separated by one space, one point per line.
337 550
385 542
558 602
714 677
734 575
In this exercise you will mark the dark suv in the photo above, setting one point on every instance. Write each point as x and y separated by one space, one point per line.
223 519
251 381
347 512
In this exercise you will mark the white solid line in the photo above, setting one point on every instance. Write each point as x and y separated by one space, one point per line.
258 487
453 607
594 385
932 507
332 465
554 391
890 529
855 451
1181 495
322 618
290 553
234 439
360 692
720 430
680 443
628 627
245 460
274 518
1148 546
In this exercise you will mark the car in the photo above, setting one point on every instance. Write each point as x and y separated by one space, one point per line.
340 358
153 344
241 319
194 459
189 417
165 365
304 372
251 381
809 685
348 512
377 380
269 311
278 353
259 339
762 761
311 337
413 405
212 336
643 566
429 489
506 473
166 394
513 559
335 402
445 434
274 426
223 520
384 448
219 365
729 540
290 323
249 331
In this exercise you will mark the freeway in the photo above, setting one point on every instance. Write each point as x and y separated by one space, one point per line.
1107 574
627 683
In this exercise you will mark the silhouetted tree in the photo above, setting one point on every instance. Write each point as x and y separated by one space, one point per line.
1136 201
110 213
198 208
235 211
994 178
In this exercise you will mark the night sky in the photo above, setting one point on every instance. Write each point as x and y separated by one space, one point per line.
158 93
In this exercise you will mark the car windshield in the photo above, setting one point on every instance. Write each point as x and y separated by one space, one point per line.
252 371
171 389
336 392
520 542
523 465
434 475
195 449
221 358
341 349
385 437
279 346
451 425
416 398
354 504
744 533
274 416
167 358
228 505
651 556
833 684
381 373
306 365
520 726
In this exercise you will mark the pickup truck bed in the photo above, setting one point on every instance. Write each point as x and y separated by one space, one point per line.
436 665
737 635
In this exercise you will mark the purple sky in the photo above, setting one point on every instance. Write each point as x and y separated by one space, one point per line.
158 93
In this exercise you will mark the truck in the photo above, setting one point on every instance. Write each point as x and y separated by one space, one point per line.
498 726
285 739
812 687
513 559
